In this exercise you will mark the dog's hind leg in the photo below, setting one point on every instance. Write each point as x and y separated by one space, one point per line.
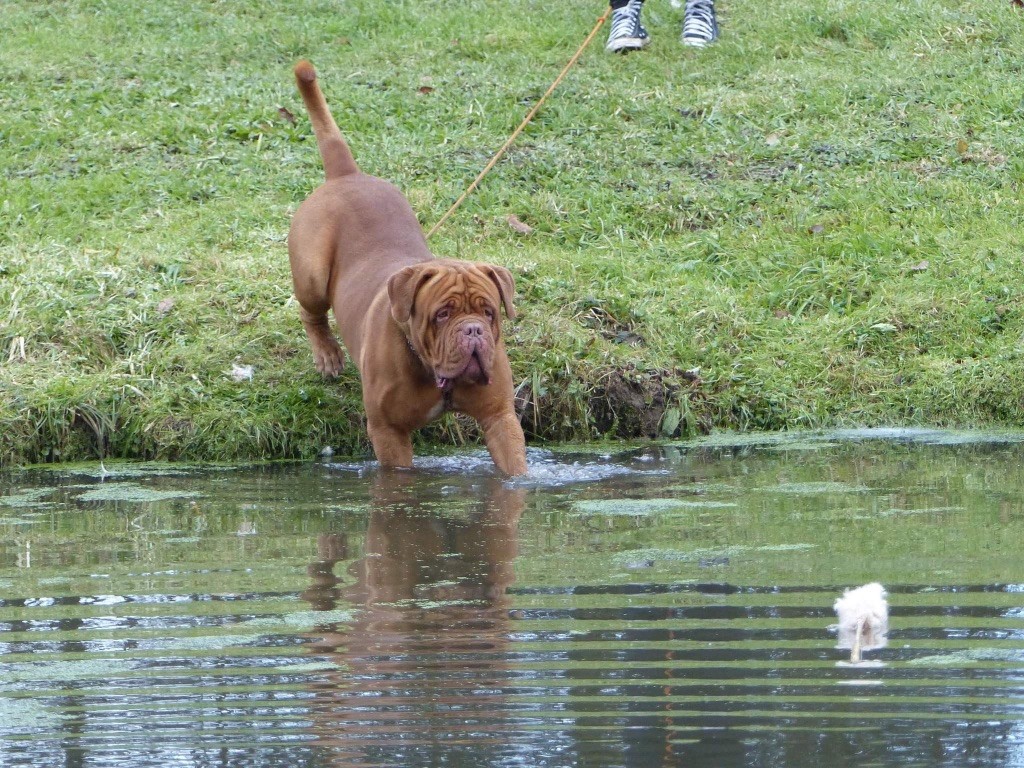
327 353
310 251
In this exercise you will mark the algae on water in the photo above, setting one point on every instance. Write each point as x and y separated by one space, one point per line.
811 489
637 507
66 670
968 656
653 556
27 497
26 715
133 492
302 621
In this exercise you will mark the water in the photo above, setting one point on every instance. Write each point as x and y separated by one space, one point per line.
665 606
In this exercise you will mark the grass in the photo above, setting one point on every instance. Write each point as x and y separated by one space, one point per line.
817 221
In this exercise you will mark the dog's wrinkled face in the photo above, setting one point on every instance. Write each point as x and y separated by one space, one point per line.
451 310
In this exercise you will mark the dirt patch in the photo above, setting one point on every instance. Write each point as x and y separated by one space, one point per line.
633 403
625 403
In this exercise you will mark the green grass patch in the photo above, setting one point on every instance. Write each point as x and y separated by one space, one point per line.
814 222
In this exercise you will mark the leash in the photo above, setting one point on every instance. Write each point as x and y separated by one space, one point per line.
526 121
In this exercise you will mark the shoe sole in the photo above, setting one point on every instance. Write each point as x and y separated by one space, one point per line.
626 44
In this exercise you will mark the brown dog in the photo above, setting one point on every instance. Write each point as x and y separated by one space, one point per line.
425 333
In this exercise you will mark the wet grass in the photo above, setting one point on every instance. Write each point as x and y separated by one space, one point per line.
815 222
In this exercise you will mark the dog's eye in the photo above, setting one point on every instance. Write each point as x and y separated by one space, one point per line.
488 313
442 315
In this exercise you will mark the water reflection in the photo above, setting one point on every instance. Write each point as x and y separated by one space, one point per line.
664 608
425 661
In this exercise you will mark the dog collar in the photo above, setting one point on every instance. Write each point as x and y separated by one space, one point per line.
445 392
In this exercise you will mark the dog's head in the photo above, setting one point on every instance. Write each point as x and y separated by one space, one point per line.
452 313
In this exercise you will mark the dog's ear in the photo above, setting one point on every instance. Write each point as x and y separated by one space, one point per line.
506 286
403 287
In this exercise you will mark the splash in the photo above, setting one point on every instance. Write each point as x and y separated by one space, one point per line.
547 469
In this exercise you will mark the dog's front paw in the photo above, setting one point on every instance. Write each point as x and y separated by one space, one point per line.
329 359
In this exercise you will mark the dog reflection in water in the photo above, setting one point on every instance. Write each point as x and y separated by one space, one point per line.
426 650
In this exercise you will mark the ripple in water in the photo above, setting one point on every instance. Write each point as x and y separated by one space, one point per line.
640 608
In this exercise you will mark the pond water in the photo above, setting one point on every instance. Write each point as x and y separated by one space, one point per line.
666 605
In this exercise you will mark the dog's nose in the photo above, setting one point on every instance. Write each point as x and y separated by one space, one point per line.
473 330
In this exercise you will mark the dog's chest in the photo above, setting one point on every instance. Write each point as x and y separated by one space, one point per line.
443 405
439 407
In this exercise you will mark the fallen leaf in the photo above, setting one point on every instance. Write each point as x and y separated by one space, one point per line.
670 421
1017 3
519 226
286 115
921 266
816 229
962 147
773 139
782 314
165 306
426 89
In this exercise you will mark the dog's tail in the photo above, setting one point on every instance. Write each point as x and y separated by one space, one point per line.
337 157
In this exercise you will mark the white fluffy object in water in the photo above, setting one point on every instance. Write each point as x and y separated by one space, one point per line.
863 619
